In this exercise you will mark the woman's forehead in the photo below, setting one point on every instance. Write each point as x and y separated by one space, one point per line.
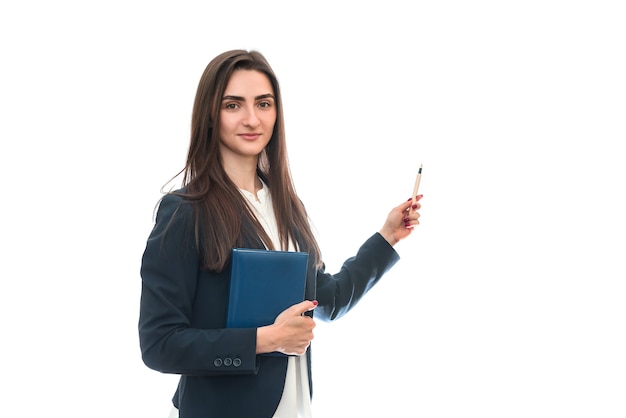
248 83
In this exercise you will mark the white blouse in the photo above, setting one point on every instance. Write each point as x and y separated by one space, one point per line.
296 401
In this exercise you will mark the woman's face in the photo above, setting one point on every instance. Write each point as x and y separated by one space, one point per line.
247 116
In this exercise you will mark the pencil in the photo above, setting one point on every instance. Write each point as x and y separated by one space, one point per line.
417 183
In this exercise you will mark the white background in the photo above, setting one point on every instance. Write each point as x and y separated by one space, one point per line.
509 298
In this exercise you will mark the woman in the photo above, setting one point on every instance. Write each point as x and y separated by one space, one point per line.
238 192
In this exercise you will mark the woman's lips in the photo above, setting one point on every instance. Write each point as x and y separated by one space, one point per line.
250 137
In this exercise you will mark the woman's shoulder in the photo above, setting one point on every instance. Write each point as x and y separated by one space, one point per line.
172 197
172 203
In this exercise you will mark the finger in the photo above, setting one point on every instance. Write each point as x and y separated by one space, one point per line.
410 201
414 205
304 306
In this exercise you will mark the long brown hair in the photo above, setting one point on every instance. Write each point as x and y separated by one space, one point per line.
219 207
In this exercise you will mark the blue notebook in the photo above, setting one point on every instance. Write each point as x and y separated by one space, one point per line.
263 283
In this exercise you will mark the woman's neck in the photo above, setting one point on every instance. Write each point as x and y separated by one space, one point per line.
245 178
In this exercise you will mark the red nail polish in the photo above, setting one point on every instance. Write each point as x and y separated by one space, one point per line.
315 302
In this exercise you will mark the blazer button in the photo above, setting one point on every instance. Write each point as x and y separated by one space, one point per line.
217 362
236 362
228 361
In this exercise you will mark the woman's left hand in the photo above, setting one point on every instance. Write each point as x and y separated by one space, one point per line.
401 221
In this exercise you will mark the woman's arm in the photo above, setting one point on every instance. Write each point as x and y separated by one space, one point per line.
174 338
340 292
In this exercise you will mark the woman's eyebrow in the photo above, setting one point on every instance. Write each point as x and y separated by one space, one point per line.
265 96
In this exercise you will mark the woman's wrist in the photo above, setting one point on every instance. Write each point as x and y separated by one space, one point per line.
389 237
263 340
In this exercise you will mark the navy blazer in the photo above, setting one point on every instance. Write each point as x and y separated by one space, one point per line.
183 311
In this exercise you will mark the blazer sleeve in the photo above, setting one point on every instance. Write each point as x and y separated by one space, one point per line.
340 292
170 271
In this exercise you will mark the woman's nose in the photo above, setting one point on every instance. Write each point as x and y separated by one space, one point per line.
251 118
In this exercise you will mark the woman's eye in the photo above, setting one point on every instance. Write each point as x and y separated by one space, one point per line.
231 106
265 104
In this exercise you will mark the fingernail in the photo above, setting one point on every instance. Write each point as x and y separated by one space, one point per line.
315 302
414 206
406 220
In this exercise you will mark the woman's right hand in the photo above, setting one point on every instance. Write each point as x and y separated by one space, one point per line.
291 333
